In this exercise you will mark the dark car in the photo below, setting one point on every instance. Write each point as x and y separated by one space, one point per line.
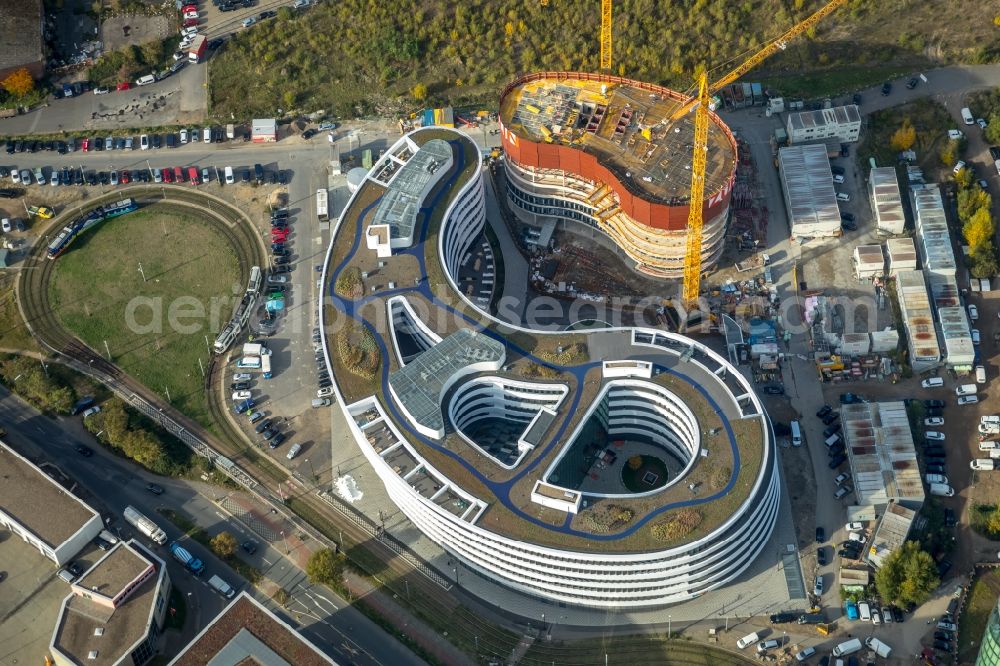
282 268
994 152
837 462
279 214
215 43
821 556
848 226
61 148
824 661
91 178
282 178
264 425
310 133
897 614
936 451
239 386
101 543
269 433
830 418
934 411
856 99
937 469
75 568
84 450
245 175
942 646
281 251
847 217
171 140
282 261
942 636
943 567
820 535
10 148
886 89
267 14
250 547
823 411
155 489
835 450
839 171
279 225
278 440
949 518
848 553
912 83
258 173
831 431
773 389
934 404
782 618
324 383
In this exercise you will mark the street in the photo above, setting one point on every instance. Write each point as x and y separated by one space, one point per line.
111 484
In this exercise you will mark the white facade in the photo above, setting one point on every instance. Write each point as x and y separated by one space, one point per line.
841 122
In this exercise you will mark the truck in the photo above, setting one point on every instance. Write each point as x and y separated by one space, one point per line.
146 526
190 562
198 47
847 647
265 366
878 647
222 587
811 618
756 261
322 210
255 349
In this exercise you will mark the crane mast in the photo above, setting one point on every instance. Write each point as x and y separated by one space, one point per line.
692 259
606 35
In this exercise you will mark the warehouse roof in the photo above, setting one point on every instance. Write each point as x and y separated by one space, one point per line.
839 115
932 229
917 315
886 200
809 194
39 504
881 451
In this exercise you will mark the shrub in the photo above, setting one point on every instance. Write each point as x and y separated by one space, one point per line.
224 545
677 525
349 284
358 350
326 567
635 462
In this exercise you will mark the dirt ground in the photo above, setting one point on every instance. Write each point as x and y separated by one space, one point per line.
799 479
121 31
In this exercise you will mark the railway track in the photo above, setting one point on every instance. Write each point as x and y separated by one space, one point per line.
43 322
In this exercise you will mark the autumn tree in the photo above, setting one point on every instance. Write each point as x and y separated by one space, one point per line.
908 575
634 463
326 567
904 137
979 229
19 83
224 544
970 200
419 92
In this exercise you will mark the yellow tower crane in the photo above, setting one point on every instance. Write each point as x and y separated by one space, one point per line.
692 259
606 35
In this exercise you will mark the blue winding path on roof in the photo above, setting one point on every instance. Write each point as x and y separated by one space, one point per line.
500 489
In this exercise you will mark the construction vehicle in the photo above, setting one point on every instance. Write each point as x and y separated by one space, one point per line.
700 103
40 211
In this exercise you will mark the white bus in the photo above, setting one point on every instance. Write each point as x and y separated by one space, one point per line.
253 286
322 212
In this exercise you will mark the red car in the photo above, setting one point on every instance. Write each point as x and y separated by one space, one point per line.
190 23
193 176
179 174
189 8
123 86
168 175
124 178
85 145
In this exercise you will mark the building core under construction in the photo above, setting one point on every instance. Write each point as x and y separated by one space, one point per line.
602 151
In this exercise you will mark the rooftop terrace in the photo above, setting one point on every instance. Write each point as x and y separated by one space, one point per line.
628 129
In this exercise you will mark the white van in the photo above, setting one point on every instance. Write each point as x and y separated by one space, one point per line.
294 451
967 116
966 389
983 464
843 197
222 587
229 176
747 640
933 382
145 80
936 478
942 490
206 135
865 611
796 433
320 402
847 647
980 374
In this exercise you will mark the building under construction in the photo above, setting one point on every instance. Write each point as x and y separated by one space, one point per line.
601 151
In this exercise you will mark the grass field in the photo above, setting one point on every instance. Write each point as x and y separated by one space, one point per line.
190 273
972 622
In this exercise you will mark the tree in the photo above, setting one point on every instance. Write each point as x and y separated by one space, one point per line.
419 92
634 463
326 567
949 152
19 83
224 544
979 229
907 576
971 199
904 137
984 261
993 129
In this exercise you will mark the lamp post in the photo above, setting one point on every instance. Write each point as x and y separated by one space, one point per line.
669 627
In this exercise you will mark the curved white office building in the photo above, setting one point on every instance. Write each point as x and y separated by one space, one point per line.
643 477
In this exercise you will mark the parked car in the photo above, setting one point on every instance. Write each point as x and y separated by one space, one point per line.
886 89
155 489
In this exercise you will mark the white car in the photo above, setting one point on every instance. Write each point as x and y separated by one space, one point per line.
247 22
934 436
842 477
190 15
92 411
843 196
987 446
299 4
856 536
976 337
982 123
842 492
805 654
15 175
837 178
157 175
5 225
241 395
144 142
101 91
968 400
933 382
242 377
955 134
959 165
876 616
982 464
324 392
973 313
184 136
854 527
205 175
934 422
818 586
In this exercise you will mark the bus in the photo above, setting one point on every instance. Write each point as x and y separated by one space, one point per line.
265 366
253 286
322 212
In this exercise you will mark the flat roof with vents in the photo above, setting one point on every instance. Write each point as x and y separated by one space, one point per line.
810 199
409 186
887 203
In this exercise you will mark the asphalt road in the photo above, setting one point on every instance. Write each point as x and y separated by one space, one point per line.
111 483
